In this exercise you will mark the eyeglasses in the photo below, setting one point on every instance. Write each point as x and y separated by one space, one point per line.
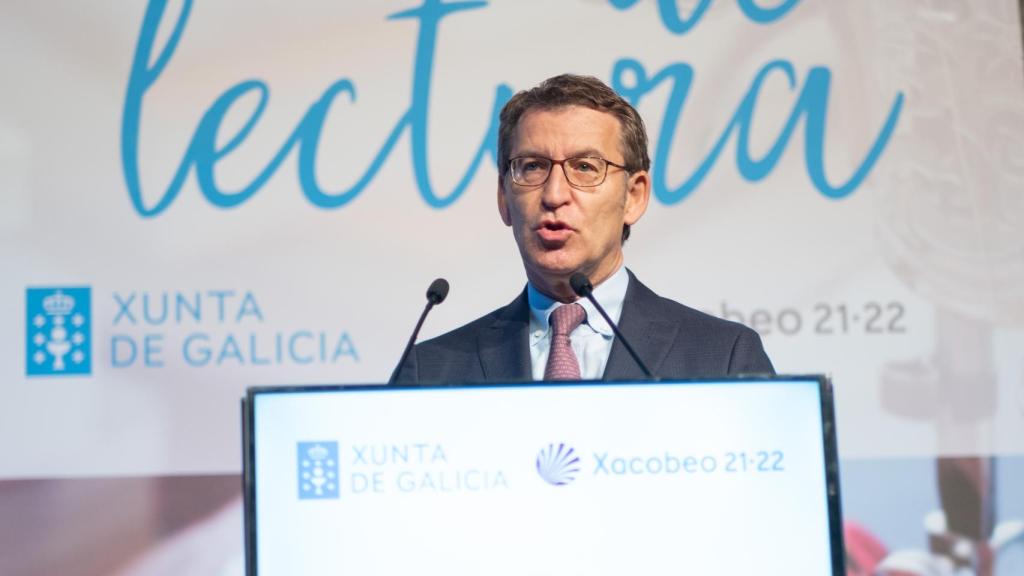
585 172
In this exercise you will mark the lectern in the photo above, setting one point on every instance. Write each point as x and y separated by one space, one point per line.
736 476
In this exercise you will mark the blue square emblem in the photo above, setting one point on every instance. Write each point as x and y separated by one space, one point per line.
58 331
318 470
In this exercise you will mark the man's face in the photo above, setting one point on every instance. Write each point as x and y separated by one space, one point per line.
562 229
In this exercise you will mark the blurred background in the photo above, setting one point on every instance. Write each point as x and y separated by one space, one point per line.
197 197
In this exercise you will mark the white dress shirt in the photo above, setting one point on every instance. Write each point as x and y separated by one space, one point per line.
592 340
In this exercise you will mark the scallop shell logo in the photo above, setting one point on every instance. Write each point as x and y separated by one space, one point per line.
558 465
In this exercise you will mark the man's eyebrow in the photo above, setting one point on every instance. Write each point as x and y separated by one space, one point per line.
527 152
582 153
588 153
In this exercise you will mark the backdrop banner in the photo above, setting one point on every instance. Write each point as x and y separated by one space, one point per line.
200 197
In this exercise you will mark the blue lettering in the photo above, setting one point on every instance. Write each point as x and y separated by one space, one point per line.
766 15
140 80
811 105
148 315
249 308
618 466
814 105
120 341
345 347
690 464
196 349
430 15
668 10
367 482
219 296
255 357
230 350
654 466
152 350
438 455
308 132
380 457
203 152
124 308
182 304
360 482
671 463
708 464
291 347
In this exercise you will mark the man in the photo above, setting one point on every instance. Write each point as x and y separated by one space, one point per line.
573 177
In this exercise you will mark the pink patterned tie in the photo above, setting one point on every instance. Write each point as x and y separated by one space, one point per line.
562 362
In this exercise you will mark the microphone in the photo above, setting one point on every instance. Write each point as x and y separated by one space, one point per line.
437 291
582 287
436 294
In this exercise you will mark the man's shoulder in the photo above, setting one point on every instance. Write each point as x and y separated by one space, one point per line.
701 344
657 307
465 336
487 348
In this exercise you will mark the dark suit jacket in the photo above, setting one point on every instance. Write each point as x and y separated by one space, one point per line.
674 341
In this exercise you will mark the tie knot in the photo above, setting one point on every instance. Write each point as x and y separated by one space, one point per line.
566 318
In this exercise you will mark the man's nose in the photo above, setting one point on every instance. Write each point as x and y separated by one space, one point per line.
557 190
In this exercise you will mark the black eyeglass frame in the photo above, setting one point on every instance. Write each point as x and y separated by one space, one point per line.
511 173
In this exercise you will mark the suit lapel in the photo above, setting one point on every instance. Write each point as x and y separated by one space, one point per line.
643 326
504 347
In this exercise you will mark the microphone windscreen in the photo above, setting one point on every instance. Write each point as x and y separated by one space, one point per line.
580 284
438 291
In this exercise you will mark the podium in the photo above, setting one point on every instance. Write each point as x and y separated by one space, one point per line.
732 476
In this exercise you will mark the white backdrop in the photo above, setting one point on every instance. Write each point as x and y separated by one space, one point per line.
891 260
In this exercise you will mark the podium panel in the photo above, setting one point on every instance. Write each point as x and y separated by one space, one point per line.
685 477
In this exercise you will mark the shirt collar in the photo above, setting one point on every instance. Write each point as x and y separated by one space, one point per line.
610 294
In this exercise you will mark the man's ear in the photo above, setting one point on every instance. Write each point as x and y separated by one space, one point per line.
638 195
503 205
